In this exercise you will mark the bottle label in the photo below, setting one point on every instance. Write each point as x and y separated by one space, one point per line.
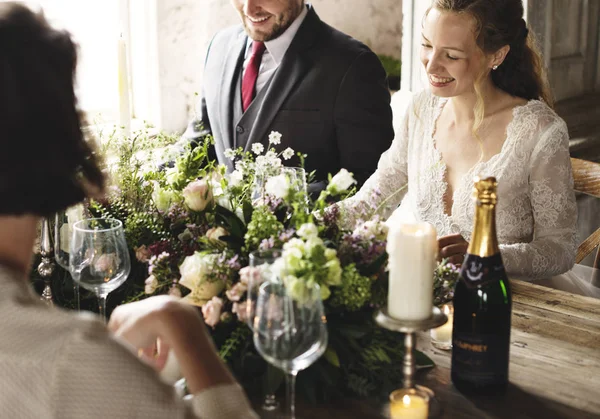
480 359
477 271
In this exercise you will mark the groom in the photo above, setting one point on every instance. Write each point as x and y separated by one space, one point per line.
285 70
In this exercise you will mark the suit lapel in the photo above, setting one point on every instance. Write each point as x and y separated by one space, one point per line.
233 62
292 69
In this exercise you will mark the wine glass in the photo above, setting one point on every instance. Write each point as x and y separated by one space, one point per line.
290 329
63 228
296 181
99 258
260 264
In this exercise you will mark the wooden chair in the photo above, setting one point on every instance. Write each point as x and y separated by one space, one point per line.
587 181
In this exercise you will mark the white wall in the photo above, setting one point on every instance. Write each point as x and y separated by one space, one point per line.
185 27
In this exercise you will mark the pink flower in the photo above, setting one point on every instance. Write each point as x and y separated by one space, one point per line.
142 253
215 233
105 262
236 292
197 195
212 311
250 274
240 310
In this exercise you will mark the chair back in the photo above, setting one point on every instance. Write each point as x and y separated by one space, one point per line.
587 180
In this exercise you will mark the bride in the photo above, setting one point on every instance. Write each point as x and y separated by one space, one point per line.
488 111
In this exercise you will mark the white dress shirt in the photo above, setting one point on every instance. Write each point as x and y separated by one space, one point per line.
58 365
274 52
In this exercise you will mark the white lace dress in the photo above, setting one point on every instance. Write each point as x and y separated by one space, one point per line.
536 215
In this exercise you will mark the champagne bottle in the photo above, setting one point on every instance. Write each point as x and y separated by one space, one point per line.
482 305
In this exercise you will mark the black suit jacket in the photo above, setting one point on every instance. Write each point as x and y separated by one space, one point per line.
328 99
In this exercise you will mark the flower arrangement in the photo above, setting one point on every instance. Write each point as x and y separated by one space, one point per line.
191 228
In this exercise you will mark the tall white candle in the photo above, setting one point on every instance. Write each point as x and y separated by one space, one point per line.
412 250
124 106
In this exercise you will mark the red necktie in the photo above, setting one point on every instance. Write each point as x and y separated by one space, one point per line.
251 74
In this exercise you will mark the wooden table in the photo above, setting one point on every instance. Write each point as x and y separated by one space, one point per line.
554 365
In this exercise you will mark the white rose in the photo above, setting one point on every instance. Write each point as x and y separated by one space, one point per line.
341 181
193 270
278 186
197 195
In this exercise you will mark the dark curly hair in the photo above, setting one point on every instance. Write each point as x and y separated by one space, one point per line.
45 163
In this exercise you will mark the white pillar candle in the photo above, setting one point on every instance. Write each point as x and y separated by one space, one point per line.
412 250
124 106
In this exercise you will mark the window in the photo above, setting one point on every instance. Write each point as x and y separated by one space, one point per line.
95 27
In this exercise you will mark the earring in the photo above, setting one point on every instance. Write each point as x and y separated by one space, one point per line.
495 67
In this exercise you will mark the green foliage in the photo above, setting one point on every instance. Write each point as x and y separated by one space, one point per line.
234 342
355 290
262 226
190 228
391 65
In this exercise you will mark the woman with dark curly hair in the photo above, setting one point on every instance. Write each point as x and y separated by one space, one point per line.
55 364
488 111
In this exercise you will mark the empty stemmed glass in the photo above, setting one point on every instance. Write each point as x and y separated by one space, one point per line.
99 258
290 330
63 227
295 185
260 272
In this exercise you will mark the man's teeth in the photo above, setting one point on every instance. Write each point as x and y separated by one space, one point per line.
440 79
262 19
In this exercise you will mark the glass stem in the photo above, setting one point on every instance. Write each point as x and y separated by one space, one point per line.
76 294
270 401
102 306
290 386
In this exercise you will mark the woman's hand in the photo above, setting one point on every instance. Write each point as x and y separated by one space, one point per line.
162 323
147 325
453 247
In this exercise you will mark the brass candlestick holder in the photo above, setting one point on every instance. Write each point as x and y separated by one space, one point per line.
410 328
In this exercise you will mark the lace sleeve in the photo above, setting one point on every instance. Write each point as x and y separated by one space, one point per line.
553 248
384 190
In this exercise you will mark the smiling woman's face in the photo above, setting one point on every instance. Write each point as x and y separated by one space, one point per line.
449 53
267 19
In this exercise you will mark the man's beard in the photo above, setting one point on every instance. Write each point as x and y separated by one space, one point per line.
282 22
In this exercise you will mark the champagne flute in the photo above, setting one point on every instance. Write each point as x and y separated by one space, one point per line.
260 265
63 227
297 180
99 258
290 329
